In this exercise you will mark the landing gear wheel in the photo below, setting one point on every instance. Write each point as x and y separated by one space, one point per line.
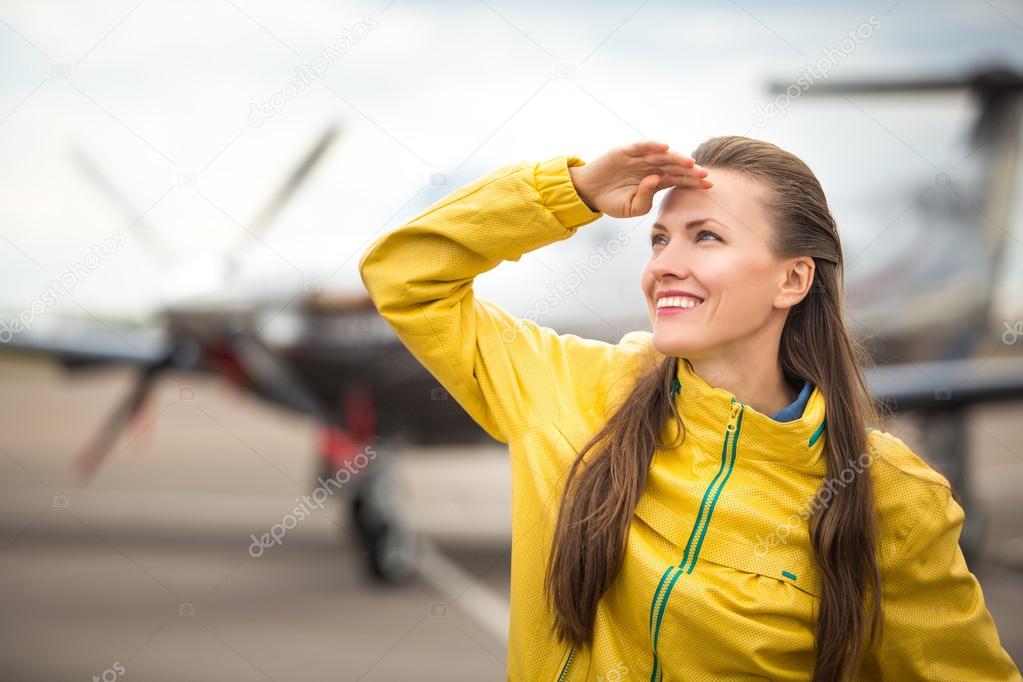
389 547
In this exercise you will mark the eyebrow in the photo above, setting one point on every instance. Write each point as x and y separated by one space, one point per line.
691 224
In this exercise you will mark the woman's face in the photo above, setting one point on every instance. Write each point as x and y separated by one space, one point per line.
715 245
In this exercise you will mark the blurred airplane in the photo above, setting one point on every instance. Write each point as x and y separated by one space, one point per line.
333 358
938 343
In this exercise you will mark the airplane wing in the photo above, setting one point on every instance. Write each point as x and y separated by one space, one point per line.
75 342
947 384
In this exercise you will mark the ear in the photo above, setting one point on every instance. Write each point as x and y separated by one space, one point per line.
797 280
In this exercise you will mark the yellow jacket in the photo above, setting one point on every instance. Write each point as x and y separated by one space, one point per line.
719 581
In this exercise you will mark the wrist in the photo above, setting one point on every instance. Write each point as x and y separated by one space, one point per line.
578 181
558 194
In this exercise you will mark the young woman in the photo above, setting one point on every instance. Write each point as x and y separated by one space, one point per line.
681 508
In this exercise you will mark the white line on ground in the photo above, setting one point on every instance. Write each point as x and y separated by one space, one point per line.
472 596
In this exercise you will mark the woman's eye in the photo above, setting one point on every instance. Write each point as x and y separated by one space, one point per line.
699 237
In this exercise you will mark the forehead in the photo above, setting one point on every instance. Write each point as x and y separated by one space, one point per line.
735 201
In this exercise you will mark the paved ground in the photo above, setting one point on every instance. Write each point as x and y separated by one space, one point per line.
146 573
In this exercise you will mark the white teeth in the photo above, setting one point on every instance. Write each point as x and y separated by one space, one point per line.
678 302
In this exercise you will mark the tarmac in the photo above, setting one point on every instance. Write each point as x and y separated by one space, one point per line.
149 571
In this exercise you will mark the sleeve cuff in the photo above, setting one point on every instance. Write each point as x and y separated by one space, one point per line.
558 193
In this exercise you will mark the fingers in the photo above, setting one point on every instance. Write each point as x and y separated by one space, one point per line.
696 172
669 158
658 155
673 164
684 181
646 147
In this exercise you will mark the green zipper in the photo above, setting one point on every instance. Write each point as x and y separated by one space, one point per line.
568 664
698 532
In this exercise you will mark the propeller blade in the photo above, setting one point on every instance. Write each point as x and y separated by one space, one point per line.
150 240
92 455
261 222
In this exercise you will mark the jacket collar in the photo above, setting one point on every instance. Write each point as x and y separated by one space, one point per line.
798 443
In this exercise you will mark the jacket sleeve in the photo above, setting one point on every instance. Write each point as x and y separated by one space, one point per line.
506 372
936 625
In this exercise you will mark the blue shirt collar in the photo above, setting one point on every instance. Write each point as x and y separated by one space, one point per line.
795 409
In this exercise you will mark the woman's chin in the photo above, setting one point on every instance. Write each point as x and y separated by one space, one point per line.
675 344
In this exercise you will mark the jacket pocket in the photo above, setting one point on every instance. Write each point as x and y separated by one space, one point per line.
789 562
740 538
751 613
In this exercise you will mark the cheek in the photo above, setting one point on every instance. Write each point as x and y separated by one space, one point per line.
721 274
744 287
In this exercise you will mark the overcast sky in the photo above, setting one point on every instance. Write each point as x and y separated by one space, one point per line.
164 98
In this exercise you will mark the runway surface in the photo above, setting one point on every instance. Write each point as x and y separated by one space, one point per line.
146 572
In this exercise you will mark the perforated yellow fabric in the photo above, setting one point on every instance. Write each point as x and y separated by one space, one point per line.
719 581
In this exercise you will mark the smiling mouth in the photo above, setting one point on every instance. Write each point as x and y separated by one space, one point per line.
674 304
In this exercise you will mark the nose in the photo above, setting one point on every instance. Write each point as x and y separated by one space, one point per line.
672 260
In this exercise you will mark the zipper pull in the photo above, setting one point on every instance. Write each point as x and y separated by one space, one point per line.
736 409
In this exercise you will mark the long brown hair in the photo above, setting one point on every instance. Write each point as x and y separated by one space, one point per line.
601 492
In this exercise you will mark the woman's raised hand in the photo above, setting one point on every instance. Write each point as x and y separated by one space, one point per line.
622 182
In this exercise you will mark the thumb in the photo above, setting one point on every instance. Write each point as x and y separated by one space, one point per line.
643 201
